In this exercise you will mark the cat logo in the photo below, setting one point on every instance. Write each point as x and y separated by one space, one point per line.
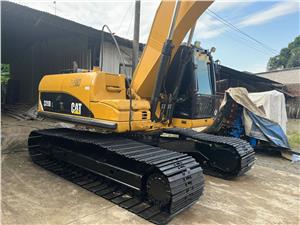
76 82
76 108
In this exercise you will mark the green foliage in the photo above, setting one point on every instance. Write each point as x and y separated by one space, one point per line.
288 58
294 59
5 73
294 140
293 133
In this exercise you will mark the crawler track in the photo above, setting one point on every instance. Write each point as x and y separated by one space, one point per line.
220 156
151 182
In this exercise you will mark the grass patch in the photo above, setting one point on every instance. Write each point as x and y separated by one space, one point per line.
294 140
5 73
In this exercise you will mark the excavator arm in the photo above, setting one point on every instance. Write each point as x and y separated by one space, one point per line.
144 78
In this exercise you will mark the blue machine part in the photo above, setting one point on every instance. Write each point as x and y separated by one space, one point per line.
237 130
252 141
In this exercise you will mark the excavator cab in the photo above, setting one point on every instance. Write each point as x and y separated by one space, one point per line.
193 69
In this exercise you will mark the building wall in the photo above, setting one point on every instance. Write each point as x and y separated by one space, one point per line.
286 76
291 78
36 43
112 60
55 55
46 57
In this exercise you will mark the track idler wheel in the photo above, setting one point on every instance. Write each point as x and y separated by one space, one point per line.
158 190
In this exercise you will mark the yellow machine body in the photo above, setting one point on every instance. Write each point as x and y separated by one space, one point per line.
104 94
98 98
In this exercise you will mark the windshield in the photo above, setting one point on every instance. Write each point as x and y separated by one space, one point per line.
202 73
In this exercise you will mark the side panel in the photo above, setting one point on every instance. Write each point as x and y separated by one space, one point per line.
95 99
144 75
64 103
77 85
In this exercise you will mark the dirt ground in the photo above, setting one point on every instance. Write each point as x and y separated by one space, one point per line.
268 194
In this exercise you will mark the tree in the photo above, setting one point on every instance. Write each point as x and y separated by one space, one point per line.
288 58
5 73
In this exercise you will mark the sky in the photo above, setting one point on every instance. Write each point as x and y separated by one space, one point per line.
245 33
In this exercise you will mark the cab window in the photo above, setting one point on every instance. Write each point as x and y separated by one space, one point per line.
202 75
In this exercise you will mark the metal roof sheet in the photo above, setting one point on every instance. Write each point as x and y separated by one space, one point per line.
23 25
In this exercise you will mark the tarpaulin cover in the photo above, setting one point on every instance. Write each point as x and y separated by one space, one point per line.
273 105
256 122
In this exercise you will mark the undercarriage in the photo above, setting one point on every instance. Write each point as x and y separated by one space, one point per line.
151 182
220 156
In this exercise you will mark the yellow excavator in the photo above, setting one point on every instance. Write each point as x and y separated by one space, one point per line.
133 143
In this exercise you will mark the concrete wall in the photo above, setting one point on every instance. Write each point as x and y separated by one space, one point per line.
286 76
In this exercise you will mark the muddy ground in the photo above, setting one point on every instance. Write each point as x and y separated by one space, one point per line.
268 194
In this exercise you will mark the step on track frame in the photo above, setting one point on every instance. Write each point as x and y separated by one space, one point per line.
54 150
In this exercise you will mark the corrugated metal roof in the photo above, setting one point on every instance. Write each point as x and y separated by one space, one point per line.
250 81
235 74
22 14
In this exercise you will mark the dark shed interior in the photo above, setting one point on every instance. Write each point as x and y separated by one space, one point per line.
36 43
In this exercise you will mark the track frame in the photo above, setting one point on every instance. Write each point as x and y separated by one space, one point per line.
98 169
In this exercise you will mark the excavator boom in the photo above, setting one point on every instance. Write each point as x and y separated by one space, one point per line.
189 11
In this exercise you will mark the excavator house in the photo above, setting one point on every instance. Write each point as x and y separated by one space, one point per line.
133 143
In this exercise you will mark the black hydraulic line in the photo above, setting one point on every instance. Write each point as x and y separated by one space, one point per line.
163 68
164 63
183 62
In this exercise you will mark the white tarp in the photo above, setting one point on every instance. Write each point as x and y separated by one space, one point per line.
272 103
